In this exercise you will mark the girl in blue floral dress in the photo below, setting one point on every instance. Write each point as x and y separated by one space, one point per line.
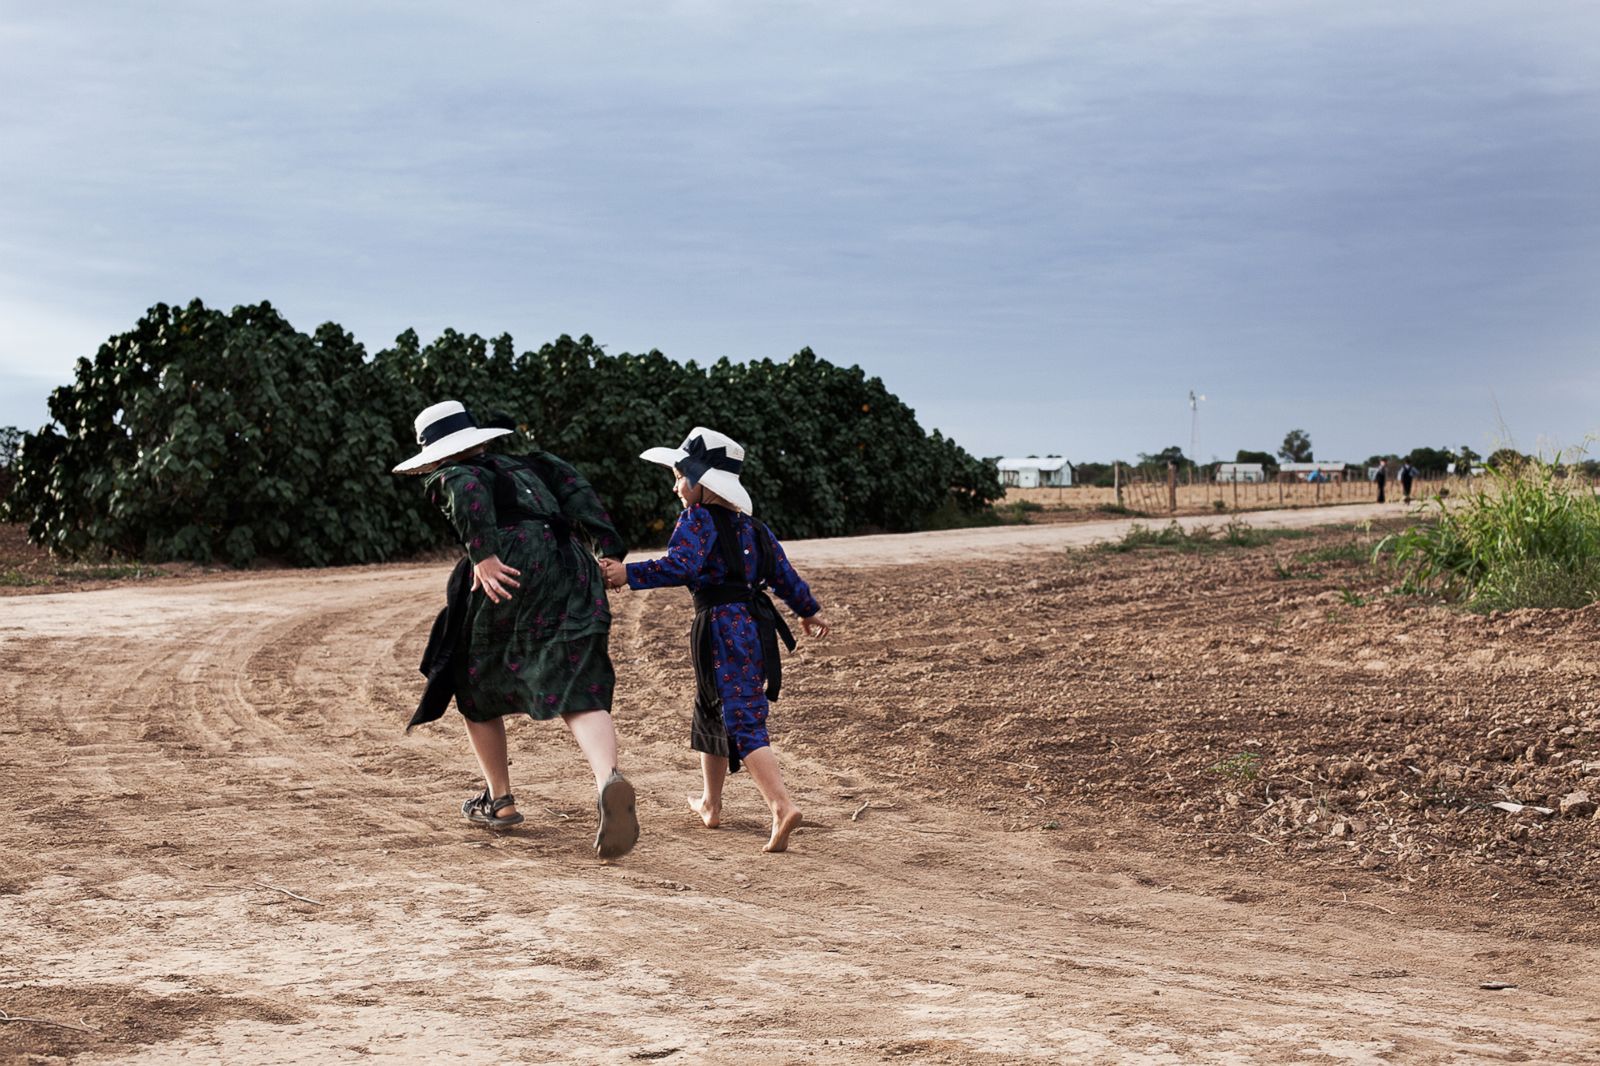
532 629
727 559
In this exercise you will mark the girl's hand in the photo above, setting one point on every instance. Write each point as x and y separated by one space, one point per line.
816 625
614 573
496 579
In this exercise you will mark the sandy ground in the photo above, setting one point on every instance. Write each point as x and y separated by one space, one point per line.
990 871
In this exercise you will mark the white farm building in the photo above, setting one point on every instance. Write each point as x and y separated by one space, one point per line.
1035 473
1248 472
1317 471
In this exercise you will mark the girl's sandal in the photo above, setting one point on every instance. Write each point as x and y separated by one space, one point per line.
485 811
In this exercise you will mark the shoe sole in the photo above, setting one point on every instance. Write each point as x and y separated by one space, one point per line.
619 822
497 823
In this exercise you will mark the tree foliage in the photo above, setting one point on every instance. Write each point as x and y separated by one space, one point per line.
1154 464
1431 462
1506 459
1093 473
1296 447
10 442
1266 459
208 435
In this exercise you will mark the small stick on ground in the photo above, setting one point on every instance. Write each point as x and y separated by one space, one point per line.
857 814
4 1017
1358 903
296 895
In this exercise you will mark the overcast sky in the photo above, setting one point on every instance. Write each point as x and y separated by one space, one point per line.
1041 224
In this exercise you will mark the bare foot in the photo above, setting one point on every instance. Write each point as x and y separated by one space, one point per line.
710 815
783 823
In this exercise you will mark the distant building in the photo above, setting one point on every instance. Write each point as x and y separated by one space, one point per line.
1247 472
1311 471
1034 473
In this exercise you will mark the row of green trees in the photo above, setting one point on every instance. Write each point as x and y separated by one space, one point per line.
201 434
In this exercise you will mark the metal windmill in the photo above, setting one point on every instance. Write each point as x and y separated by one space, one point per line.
1194 426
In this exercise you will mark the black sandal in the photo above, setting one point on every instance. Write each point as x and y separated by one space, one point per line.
485 811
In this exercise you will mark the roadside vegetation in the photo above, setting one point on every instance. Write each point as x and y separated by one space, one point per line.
1529 537
1235 533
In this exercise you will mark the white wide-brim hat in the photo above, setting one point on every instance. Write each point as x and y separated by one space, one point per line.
707 458
443 430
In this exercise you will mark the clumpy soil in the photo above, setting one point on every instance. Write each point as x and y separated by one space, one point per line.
1275 704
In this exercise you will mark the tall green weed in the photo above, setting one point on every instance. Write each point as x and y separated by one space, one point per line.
1528 537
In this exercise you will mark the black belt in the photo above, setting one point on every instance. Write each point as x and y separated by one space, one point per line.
769 624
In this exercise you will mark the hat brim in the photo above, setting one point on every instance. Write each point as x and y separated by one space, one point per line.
664 456
728 487
460 441
720 482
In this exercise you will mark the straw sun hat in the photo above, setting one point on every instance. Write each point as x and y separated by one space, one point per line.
444 430
707 458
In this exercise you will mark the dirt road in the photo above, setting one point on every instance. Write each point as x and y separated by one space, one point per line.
1015 542
179 763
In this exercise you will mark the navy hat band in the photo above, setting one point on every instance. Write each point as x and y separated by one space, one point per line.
700 459
437 431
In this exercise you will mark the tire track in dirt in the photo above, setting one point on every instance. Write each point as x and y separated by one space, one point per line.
920 929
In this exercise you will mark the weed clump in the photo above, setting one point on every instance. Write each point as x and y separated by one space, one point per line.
1531 538
1235 533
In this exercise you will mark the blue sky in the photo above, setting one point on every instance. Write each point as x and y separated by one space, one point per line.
1040 223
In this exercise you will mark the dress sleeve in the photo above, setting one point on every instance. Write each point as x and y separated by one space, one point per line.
581 505
467 500
687 551
787 583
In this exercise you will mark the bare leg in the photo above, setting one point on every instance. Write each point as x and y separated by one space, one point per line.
597 739
489 745
708 805
763 766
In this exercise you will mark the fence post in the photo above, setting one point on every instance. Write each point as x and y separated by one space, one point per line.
1172 486
1280 490
1116 480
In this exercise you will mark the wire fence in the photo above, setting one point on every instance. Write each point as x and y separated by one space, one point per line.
1157 496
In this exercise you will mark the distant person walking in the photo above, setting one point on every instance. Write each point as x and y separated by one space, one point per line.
1381 477
527 624
1408 473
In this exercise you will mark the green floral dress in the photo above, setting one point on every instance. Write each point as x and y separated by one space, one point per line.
543 651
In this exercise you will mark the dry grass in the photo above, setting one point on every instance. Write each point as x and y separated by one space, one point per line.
1153 498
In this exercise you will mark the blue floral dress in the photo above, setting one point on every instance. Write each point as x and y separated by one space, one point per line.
694 559
544 651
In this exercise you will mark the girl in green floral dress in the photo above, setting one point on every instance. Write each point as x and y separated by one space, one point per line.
533 635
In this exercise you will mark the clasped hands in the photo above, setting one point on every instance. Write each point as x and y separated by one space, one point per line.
614 573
